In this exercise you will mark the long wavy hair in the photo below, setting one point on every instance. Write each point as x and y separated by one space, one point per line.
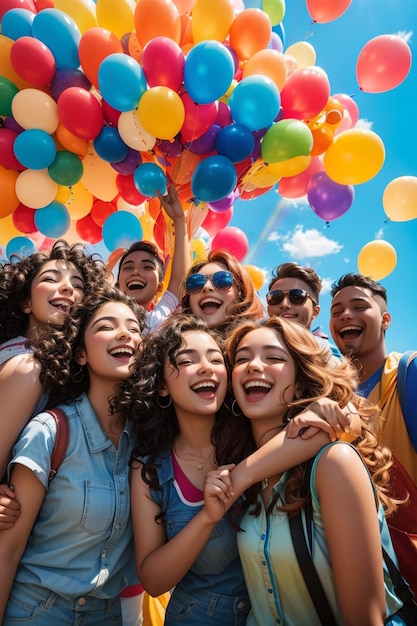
248 306
62 378
317 380
16 278
140 401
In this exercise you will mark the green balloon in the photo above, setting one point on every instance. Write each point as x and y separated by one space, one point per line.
8 90
285 140
66 169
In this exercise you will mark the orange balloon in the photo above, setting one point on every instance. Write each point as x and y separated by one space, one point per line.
95 45
323 11
250 32
270 63
9 200
154 18
70 142
211 19
377 259
383 63
256 274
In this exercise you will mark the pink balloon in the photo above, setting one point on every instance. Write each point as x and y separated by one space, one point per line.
163 63
323 11
305 93
383 63
198 118
233 239
214 222
33 61
296 186
6 5
350 106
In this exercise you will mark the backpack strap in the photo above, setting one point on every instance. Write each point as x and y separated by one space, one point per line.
403 364
61 440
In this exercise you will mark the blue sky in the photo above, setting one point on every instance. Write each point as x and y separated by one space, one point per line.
280 230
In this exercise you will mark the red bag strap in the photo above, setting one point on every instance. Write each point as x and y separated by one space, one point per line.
61 440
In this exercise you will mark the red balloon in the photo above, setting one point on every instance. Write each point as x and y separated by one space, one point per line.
233 239
88 229
101 210
198 118
7 157
81 113
163 63
296 186
24 219
323 11
6 5
33 61
305 93
127 189
383 63
214 222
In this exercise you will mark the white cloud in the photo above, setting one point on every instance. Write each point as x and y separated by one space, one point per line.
365 124
301 244
405 35
326 285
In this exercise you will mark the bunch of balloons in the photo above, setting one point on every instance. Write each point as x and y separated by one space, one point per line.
104 104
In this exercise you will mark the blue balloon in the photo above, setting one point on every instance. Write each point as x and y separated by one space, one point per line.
214 178
60 33
53 220
150 178
121 81
110 146
22 246
208 71
255 102
235 142
121 229
17 23
35 149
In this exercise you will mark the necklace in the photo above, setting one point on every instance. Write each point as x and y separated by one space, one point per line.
265 484
200 462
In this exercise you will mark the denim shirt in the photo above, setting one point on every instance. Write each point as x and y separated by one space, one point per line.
217 569
81 542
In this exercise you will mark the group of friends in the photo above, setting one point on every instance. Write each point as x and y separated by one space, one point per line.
201 422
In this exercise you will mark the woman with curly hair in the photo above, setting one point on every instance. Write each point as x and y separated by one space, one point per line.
277 369
35 292
221 292
70 552
177 396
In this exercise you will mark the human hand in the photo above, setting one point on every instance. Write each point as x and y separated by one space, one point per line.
9 507
326 414
218 489
171 204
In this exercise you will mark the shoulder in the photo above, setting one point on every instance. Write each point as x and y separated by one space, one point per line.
22 367
337 458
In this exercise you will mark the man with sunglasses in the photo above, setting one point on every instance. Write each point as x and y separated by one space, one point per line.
294 294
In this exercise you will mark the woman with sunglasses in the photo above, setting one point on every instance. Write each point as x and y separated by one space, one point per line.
221 292
176 397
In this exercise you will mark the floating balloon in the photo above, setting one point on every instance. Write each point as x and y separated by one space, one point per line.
8 90
285 140
17 23
33 61
97 44
156 18
329 200
116 16
213 178
150 178
81 112
377 259
121 81
304 54
211 20
163 63
233 239
35 188
295 186
355 157
323 11
255 102
208 71
235 142
256 275
269 63
400 199
133 133
7 156
21 246
60 33
68 77
53 220
274 9
35 149
109 145
305 93
383 63
250 32
24 219
9 198
198 118
161 112
66 168
120 230
206 143
89 230
33 108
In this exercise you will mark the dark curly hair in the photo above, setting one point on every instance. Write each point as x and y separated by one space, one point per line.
62 377
248 306
379 293
139 397
16 278
317 380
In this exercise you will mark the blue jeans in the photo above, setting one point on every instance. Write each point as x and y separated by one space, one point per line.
208 609
36 606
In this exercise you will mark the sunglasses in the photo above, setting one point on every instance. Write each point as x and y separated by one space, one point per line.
222 281
295 296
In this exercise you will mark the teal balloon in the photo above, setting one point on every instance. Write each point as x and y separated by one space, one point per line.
67 168
21 246
34 148
122 81
235 142
53 220
285 140
60 33
121 229
110 146
17 23
149 178
214 178
255 102
208 71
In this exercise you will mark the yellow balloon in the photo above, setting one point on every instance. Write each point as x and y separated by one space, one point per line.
133 133
256 274
99 177
6 68
83 12
290 167
355 156
199 250
8 230
79 202
35 188
116 15
211 19
161 112
260 175
400 199
33 108
63 193
377 259
303 52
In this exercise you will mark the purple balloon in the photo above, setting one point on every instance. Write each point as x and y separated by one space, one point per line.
220 206
68 77
328 199
206 143
129 164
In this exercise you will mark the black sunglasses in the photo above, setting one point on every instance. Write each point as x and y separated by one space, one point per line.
222 281
295 296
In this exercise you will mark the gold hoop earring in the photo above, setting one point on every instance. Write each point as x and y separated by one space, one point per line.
162 405
236 413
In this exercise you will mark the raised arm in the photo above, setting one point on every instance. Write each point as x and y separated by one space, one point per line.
181 259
